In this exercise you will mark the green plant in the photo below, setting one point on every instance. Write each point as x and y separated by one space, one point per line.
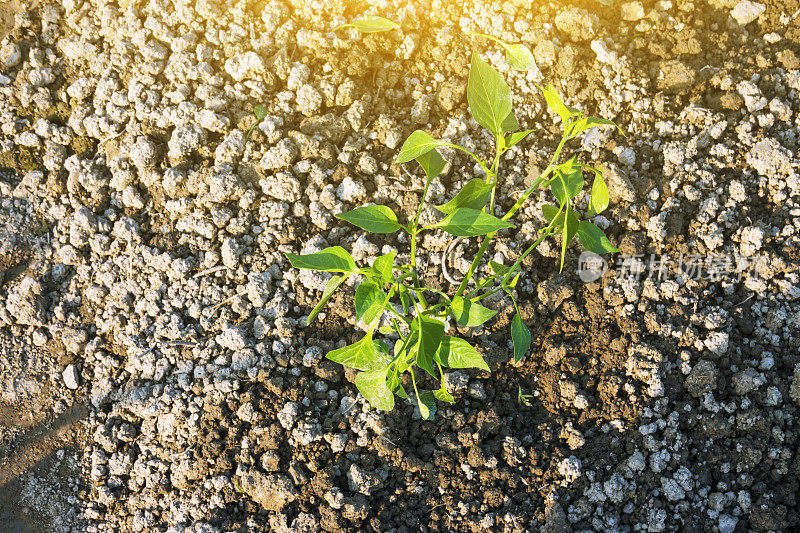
260 112
518 56
522 398
418 317
371 25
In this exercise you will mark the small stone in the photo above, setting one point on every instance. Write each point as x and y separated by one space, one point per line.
362 481
245 66
672 490
727 523
577 23
746 11
570 468
627 157
456 382
71 377
476 390
636 462
747 381
794 390
273 492
676 76
703 378
309 101
10 54
632 11
289 415
144 153
769 158
351 190
596 137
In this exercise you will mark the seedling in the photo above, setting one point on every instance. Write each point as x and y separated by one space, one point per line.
390 299
523 399
518 56
260 112
371 25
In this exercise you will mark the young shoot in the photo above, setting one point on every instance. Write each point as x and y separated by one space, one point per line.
408 343
371 25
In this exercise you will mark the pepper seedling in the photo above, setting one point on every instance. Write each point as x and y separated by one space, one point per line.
417 317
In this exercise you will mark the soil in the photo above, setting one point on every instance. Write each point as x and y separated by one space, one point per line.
197 402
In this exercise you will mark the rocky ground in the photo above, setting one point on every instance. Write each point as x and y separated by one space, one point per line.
155 370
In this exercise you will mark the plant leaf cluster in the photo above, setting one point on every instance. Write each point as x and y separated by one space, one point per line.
408 343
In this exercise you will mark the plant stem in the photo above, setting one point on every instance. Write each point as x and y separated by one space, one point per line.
474 265
517 205
414 381
414 231
494 170
538 181
475 157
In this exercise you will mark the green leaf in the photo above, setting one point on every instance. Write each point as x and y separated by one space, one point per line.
370 301
333 259
402 365
405 298
443 396
566 185
474 195
398 345
585 123
499 268
516 137
260 112
361 355
488 95
593 239
455 352
430 331
395 385
432 163
467 222
372 218
427 405
556 104
521 337
382 347
418 143
372 386
382 267
371 25
566 221
334 283
469 313
598 201
510 123
519 57
550 211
